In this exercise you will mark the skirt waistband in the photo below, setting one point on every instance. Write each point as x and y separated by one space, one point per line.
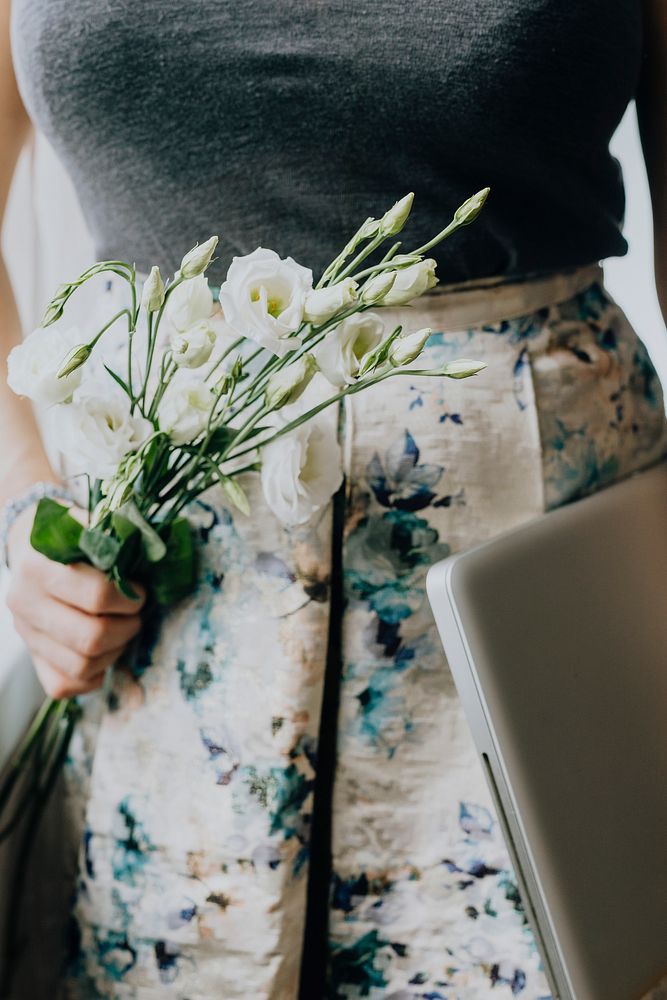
490 300
474 303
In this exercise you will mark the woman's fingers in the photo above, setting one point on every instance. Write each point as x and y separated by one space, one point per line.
73 620
59 685
83 587
88 635
68 661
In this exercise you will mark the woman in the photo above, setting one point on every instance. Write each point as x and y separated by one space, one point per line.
216 860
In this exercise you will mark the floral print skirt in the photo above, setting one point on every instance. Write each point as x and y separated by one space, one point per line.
282 799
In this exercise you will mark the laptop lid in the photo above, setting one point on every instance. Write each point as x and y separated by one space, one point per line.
556 635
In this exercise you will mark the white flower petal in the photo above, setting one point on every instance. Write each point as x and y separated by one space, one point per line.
190 302
263 299
32 366
302 470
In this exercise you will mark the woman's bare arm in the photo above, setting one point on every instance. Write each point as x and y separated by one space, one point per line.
652 114
73 620
22 456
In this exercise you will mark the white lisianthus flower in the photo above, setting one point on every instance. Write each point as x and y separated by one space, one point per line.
407 348
189 303
185 408
33 366
301 471
411 282
341 353
263 299
193 348
96 430
323 303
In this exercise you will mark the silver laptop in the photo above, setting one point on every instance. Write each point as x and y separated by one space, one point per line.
556 635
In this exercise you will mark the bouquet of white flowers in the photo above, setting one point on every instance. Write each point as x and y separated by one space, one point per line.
175 394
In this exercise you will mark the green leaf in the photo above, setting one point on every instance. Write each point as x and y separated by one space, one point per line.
175 576
154 547
123 584
220 438
116 377
131 562
101 547
55 533
122 526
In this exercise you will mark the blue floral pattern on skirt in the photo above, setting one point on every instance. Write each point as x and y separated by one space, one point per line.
193 779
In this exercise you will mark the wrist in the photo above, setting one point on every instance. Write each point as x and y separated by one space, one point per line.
21 471
16 511
18 537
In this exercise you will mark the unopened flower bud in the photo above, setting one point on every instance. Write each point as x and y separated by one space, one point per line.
152 294
405 350
197 260
55 308
116 492
223 385
393 221
236 494
470 209
323 303
76 357
192 348
373 359
368 230
463 368
411 282
288 383
377 287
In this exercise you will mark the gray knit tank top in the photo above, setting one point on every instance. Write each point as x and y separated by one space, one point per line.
284 123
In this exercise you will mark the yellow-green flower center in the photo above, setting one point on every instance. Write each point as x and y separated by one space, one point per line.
274 305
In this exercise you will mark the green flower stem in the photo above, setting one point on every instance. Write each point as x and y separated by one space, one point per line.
150 348
348 391
39 803
385 265
246 428
41 737
442 235
168 370
331 270
311 340
123 312
25 749
45 748
154 320
133 292
202 484
130 338
191 465
302 418
225 354
376 242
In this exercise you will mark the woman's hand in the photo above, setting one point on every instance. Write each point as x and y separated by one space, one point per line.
73 620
